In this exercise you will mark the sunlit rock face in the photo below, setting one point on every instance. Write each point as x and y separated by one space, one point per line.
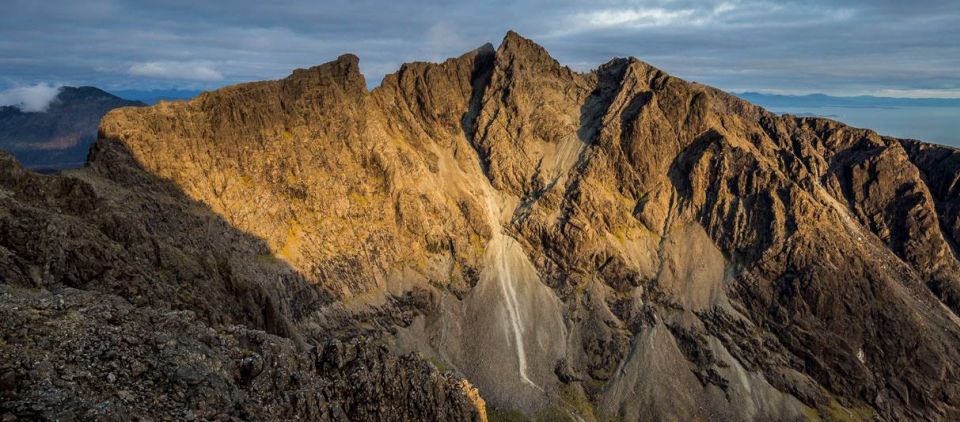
618 244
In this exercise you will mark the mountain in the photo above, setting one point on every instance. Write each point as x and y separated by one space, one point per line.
59 137
495 236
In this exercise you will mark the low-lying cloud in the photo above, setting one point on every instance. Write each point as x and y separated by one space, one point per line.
35 98
187 71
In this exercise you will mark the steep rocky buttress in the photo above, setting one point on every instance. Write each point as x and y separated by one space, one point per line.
618 244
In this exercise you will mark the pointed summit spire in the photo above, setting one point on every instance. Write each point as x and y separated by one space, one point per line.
486 48
516 46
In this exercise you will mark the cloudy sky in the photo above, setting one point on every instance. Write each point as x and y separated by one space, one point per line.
843 47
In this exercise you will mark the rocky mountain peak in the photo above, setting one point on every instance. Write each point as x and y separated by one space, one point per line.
517 52
486 48
343 74
517 45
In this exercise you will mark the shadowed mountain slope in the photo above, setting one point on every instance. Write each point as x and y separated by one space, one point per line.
128 299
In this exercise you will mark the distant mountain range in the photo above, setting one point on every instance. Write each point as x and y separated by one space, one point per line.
862 101
60 136
153 96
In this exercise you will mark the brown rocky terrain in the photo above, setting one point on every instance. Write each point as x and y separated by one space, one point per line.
618 244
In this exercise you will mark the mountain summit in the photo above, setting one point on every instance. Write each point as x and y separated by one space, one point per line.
617 244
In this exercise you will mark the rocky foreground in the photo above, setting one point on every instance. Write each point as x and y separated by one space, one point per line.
120 305
619 244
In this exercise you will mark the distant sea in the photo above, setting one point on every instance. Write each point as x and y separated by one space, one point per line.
936 121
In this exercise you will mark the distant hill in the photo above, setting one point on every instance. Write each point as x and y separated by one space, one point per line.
862 101
153 96
59 137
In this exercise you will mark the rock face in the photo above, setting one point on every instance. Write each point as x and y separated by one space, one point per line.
619 244
60 136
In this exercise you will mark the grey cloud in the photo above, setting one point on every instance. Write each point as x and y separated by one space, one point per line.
188 71
840 47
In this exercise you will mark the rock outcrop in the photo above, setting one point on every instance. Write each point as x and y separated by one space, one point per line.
612 244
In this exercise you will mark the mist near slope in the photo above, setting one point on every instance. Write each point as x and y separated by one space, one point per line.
32 98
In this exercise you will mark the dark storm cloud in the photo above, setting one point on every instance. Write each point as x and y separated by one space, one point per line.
844 47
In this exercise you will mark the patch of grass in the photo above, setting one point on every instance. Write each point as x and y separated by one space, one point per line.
442 367
291 240
505 415
620 235
811 414
359 199
477 243
267 259
577 400
553 413
580 289
837 412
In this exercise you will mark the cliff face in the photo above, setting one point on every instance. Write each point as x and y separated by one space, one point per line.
619 243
